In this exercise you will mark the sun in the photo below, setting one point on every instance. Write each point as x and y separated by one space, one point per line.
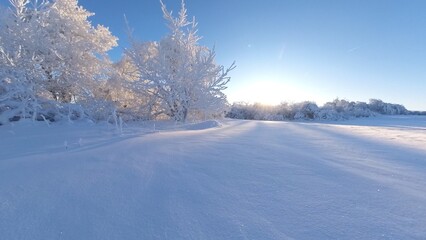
267 92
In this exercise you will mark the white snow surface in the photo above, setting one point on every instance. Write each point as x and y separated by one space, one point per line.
358 179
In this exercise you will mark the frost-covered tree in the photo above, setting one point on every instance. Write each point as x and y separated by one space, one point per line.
74 53
178 73
131 102
18 76
50 51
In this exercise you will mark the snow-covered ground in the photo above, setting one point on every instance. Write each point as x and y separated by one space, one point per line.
359 179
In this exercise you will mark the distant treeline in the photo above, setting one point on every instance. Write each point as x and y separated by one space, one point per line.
423 113
338 109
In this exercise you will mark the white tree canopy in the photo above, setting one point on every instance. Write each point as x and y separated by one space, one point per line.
178 72
50 51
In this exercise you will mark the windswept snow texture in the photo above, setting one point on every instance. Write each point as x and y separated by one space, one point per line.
361 179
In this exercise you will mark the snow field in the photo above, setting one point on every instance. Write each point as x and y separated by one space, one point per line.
360 179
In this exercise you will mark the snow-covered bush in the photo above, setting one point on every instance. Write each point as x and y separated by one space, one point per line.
341 109
336 110
255 111
387 108
241 110
305 111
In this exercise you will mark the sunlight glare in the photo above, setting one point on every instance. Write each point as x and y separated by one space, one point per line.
270 93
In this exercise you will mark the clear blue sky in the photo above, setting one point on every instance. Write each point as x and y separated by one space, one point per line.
294 50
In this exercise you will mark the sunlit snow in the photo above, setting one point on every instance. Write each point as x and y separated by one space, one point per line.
359 179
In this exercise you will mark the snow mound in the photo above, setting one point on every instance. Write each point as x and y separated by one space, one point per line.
203 125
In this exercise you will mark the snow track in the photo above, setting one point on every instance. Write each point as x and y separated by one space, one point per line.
363 179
